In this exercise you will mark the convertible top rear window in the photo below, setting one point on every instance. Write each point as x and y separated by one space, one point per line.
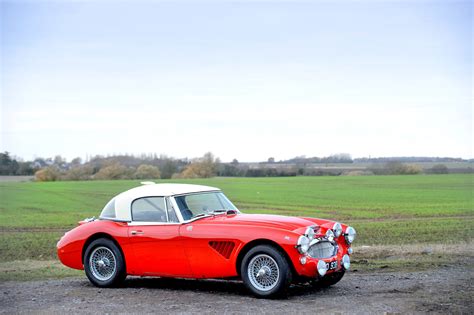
109 210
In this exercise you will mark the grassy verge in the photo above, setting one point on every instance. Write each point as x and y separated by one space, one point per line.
28 270
413 257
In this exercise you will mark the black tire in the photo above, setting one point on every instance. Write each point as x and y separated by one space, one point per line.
108 249
276 261
329 280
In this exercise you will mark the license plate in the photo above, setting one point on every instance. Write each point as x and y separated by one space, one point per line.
332 265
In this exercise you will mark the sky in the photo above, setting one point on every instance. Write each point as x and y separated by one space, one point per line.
244 79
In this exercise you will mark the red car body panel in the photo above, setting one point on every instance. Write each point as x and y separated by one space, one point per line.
205 248
158 251
71 245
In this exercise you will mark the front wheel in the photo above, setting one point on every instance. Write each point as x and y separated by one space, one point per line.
104 264
265 271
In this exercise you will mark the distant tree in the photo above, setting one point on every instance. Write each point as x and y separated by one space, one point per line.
204 167
234 162
192 171
230 170
397 168
393 167
49 161
79 172
338 158
25 168
168 167
39 162
271 160
114 171
412 169
76 161
8 166
59 160
47 174
439 169
146 171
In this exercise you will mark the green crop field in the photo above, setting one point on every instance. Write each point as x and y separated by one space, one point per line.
385 210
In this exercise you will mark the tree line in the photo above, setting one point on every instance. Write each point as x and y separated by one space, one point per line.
152 166
131 167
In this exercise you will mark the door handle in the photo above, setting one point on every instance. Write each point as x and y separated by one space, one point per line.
137 232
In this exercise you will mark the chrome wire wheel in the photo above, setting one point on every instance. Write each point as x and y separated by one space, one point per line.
102 263
263 272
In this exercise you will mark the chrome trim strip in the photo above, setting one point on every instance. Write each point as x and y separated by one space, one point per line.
178 211
175 208
113 219
141 223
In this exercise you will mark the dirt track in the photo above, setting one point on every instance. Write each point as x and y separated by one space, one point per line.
444 290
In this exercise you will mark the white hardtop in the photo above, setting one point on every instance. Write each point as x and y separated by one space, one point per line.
163 190
124 200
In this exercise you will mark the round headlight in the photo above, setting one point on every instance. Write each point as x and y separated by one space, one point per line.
322 268
350 234
303 244
346 262
337 228
330 235
309 232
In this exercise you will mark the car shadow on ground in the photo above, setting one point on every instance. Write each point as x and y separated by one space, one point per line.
214 286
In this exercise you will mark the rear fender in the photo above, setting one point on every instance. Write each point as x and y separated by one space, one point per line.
71 246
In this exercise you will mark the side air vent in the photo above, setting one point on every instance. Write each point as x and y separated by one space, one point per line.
222 247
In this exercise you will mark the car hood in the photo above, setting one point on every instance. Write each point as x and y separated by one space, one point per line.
262 220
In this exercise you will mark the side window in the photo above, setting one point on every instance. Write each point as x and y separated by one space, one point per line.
171 212
149 209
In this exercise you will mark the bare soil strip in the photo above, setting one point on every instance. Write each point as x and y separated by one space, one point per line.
444 290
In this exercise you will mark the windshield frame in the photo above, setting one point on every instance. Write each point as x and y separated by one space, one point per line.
211 214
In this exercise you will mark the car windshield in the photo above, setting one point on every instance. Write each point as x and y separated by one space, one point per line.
201 204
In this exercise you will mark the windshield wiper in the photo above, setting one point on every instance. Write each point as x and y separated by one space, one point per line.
200 215
211 213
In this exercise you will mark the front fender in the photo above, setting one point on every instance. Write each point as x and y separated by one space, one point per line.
285 239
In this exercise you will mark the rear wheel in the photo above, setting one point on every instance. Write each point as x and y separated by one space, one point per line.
329 280
104 264
265 271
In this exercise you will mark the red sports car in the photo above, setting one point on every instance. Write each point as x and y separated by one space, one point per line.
192 231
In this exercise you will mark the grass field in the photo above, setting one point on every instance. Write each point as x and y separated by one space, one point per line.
385 210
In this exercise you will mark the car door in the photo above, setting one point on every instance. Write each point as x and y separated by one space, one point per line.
209 247
154 237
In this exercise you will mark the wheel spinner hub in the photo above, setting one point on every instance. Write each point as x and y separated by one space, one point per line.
103 262
265 271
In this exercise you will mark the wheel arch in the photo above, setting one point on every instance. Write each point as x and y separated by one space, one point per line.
257 242
97 236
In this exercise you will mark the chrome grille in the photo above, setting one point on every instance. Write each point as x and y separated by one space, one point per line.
323 249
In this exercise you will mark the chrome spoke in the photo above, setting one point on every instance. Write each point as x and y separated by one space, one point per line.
102 263
263 272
